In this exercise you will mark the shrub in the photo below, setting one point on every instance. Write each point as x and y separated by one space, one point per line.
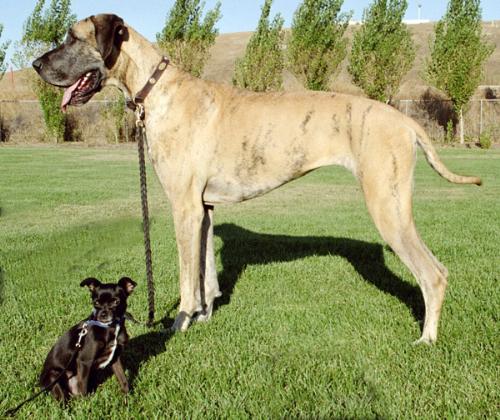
382 50
185 38
485 139
458 54
3 50
450 132
116 111
4 131
43 31
261 68
317 45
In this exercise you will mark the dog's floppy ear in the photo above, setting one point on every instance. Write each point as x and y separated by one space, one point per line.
110 32
127 284
91 283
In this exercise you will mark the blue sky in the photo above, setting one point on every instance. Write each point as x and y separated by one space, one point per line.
148 16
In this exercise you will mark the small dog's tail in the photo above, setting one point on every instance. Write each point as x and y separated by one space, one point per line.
435 162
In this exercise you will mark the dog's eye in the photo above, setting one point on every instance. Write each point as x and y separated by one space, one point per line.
96 303
115 302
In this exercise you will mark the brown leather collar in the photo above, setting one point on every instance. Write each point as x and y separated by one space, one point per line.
141 95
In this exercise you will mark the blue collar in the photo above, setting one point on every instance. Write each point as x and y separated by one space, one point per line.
94 322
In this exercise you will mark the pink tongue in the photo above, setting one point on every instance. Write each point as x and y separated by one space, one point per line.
68 94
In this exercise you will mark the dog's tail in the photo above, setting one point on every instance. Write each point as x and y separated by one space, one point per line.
432 157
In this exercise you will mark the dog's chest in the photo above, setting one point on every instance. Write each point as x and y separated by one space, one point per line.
106 355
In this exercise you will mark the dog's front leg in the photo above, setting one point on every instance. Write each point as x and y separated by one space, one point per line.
188 218
209 286
117 368
82 376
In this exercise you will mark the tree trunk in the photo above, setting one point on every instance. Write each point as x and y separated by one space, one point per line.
461 114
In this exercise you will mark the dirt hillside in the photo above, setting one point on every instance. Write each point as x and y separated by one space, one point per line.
230 46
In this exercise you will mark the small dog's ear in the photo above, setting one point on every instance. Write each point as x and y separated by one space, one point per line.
127 284
91 283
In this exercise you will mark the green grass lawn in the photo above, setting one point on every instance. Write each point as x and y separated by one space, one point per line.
318 315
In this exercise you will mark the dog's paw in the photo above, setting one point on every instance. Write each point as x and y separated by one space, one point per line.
424 341
182 322
204 316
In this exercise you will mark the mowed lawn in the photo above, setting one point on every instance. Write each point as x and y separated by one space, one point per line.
318 315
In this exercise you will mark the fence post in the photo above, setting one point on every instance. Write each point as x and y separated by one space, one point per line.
481 119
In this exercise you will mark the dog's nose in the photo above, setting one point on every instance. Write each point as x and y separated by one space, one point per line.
37 65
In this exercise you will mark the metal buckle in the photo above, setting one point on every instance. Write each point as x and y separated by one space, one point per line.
139 114
84 331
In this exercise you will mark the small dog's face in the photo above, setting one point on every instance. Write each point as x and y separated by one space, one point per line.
109 300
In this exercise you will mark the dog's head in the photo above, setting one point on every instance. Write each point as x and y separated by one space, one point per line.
82 62
109 300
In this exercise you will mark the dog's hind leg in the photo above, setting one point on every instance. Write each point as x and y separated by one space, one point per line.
388 193
209 286
60 389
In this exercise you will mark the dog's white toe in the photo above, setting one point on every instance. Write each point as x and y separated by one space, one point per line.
182 322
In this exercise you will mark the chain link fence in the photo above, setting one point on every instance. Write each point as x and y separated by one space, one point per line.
482 116
95 123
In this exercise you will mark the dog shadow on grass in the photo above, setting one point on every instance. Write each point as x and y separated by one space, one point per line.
144 347
242 247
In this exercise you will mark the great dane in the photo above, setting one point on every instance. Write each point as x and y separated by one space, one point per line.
210 143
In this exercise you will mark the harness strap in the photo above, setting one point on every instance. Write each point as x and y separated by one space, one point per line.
112 354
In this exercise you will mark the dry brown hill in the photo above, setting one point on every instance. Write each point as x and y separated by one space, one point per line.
230 46
22 122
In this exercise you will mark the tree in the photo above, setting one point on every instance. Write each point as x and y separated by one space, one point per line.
458 54
186 39
44 30
261 68
382 50
3 51
317 45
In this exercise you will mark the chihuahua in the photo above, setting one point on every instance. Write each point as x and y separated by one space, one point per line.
92 344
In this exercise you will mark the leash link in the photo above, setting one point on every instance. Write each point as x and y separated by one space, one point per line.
141 140
139 115
84 331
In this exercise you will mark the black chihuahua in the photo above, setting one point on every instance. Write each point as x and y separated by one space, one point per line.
91 344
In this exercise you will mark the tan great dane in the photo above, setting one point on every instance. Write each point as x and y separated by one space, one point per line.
210 143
